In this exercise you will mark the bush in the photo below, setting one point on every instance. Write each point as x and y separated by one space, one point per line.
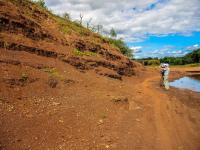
66 16
41 3
53 72
121 45
24 77
86 53
152 62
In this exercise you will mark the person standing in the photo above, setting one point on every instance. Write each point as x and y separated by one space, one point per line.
164 75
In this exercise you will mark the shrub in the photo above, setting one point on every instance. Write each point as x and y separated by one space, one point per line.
24 77
66 16
113 33
121 45
41 3
53 72
86 53
151 62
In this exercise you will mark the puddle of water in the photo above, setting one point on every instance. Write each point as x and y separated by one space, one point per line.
191 83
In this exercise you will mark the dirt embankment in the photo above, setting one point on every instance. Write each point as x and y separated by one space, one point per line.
29 29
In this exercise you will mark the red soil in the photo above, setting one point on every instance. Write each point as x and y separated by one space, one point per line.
51 98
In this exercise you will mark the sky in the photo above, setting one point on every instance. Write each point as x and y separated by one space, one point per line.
151 28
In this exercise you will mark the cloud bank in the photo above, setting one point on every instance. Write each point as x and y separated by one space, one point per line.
135 20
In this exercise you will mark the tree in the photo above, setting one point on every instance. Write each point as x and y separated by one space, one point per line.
81 19
193 57
99 28
41 3
66 16
121 45
88 23
93 28
113 33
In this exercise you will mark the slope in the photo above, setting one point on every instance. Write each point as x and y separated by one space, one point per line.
25 27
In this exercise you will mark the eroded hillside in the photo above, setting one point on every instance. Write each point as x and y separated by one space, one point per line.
58 80
28 29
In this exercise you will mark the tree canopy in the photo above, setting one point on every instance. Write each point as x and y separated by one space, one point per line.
190 58
193 57
113 33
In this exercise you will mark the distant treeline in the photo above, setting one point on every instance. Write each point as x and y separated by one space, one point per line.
190 58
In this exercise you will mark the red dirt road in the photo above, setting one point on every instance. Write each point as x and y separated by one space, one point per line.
167 120
96 112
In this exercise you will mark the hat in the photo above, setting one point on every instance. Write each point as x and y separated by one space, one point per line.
163 65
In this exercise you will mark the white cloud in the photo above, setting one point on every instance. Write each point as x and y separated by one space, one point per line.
193 47
136 49
176 52
166 50
155 52
134 20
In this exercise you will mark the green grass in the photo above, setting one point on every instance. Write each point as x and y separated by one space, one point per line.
5 45
120 45
53 72
187 65
86 53
24 77
64 29
193 65
68 27
65 26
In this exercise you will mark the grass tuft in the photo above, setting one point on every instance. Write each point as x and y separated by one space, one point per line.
24 77
53 72
86 53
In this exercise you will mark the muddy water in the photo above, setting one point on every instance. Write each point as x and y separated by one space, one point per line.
188 82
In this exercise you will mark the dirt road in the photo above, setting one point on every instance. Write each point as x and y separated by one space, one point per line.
100 113
166 123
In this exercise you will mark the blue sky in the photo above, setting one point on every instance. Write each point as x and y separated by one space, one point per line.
155 28
169 45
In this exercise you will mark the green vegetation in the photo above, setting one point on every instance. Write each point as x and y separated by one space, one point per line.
121 45
5 45
53 72
190 59
66 26
113 33
85 53
66 16
152 62
64 30
149 61
41 3
193 65
24 77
